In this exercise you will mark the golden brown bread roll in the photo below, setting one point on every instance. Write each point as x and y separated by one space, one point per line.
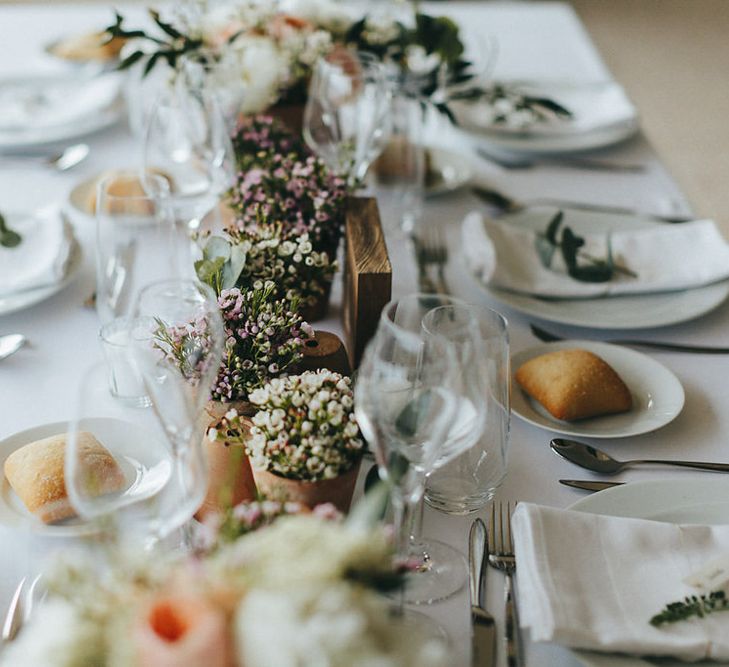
574 384
90 46
35 472
123 185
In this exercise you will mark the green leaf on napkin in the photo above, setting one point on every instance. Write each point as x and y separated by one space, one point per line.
8 238
691 606
595 270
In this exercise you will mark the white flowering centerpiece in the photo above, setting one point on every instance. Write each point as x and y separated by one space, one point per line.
264 339
303 590
304 444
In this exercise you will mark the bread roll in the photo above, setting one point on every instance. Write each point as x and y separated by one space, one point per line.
91 46
36 474
574 384
129 187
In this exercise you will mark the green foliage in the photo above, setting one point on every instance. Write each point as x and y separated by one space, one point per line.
8 238
691 606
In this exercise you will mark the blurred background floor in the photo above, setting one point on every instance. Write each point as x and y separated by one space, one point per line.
672 56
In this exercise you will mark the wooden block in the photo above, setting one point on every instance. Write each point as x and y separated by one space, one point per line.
326 350
367 275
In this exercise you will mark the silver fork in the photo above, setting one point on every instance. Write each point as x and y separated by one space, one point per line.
501 557
431 249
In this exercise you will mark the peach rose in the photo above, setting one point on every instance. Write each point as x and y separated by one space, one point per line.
182 631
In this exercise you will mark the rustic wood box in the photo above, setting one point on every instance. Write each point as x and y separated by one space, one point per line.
367 275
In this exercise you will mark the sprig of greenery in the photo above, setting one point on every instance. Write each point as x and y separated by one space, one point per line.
172 46
542 108
691 606
597 271
8 238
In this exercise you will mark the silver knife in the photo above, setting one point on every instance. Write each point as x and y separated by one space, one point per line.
483 642
589 485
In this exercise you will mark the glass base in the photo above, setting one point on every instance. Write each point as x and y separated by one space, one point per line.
459 506
442 572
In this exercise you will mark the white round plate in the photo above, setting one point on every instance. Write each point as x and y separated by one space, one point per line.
12 303
448 171
603 116
97 116
642 311
113 433
635 311
702 501
658 396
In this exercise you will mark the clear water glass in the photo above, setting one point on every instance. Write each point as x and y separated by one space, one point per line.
136 240
467 482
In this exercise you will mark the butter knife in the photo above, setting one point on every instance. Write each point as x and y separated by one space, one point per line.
483 627
588 484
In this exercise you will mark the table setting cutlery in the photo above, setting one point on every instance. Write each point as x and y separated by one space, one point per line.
14 615
589 485
483 625
10 344
431 251
518 161
501 557
63 160
504 203
549 337
591 458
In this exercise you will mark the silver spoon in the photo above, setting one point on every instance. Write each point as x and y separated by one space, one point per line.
10 344
517 161
593 459
68 158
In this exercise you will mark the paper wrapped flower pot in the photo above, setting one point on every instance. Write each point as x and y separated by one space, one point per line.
230 478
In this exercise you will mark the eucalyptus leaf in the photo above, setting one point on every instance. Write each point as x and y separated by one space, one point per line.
234 266
8 238
217 246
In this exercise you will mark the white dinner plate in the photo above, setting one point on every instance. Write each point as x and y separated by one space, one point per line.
657 394
131 454
603 116
702 501
635 311
11 303
97 104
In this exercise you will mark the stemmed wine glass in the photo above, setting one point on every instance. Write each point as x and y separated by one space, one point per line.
188 142
417 412
160 476
346 119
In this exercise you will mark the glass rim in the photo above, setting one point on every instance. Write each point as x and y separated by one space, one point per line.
143 176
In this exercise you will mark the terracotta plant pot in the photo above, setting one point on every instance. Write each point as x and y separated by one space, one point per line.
318 310
230 478
337 491
325 350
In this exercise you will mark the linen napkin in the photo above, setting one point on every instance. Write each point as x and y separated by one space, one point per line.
594 582
43 254
664 257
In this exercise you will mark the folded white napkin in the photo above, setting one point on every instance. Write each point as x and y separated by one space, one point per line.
40 101
43 254
594 582
593 106
665 257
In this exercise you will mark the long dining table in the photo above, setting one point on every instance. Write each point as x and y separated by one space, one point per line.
535 40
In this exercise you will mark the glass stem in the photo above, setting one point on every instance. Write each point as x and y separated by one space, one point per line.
406 511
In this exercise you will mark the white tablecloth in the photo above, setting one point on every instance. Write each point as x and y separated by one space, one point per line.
543 39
